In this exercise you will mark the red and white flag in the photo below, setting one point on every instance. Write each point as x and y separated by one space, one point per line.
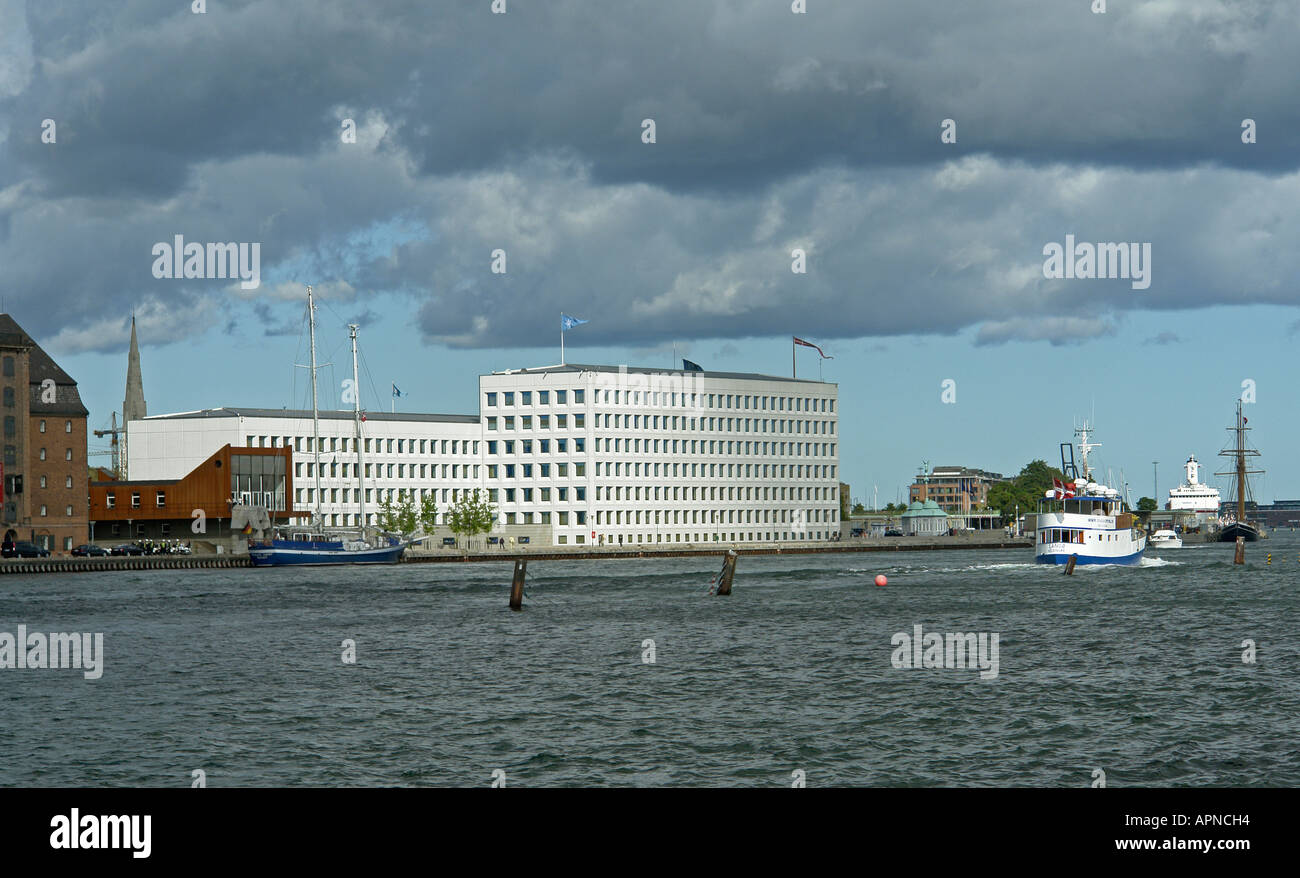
808 344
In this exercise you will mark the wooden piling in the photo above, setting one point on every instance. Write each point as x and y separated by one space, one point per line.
1069 565
728 571
517 586
1240 556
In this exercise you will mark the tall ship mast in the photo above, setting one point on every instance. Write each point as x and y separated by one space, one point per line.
356 422
1238 450
316 548
318 520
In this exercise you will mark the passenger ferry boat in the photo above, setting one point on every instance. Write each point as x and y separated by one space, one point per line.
1085 519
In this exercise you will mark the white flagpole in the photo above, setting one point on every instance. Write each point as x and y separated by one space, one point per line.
561 340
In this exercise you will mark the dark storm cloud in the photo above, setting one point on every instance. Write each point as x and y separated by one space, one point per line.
775 131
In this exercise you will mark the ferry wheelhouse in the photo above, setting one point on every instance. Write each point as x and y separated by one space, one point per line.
1084 519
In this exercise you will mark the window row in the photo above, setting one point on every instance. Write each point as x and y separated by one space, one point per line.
798 517
347 444
709 537
67 481
525 397
388 470
160 500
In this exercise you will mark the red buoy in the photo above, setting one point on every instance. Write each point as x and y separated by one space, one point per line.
881 580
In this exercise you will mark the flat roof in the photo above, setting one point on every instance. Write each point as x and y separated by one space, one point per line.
326 415
649 370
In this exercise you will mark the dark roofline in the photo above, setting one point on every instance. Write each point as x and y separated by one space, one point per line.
329 415
649 370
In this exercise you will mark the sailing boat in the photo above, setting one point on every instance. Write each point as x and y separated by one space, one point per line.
316 548
1238 449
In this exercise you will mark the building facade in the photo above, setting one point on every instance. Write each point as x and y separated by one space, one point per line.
955 489
418 453
44 436
198 505
569 455
634 456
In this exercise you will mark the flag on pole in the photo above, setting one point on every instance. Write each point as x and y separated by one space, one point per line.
396 393
567 322
689 366
809 344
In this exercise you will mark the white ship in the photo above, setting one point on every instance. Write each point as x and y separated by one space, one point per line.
1084 519
1192 495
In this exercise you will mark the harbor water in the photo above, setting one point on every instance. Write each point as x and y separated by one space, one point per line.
629 673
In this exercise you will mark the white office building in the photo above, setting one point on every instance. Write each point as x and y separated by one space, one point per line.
417 453
569 455
637 456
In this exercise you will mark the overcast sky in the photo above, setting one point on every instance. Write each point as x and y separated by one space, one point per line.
773 131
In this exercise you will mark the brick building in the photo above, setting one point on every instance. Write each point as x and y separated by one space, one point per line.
44 439
956 489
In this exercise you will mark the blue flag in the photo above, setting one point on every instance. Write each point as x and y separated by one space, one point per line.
567 322
396 393
689 366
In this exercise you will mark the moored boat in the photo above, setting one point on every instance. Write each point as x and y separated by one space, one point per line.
315 547
1236 525
303 550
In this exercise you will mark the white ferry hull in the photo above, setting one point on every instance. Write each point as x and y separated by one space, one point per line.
1094 540
1063 557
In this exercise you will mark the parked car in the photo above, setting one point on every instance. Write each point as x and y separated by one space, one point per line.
126 549
23 549
893 532
89 550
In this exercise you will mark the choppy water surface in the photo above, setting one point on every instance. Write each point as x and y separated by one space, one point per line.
238 672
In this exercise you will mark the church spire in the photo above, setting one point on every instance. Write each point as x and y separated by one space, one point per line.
133 407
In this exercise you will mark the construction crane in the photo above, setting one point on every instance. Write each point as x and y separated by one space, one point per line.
119 464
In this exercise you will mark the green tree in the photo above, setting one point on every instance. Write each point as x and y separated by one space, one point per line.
428 514
471 515
1023 490
1147 505
398 517
859 509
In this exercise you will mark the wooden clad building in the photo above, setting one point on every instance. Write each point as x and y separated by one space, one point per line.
197 506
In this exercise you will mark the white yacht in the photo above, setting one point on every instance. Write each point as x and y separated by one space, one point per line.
1084 519
1165 539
